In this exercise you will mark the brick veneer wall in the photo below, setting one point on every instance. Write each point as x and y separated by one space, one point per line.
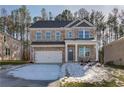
63 32
114 52
14 45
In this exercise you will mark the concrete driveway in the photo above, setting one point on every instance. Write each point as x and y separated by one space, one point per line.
32 75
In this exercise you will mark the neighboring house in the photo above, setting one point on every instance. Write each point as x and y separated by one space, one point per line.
114 52
10 48
63 41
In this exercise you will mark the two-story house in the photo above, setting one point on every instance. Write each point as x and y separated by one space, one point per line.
63 41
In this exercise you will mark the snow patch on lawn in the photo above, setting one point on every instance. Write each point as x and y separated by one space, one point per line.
37 72
73 69
85 73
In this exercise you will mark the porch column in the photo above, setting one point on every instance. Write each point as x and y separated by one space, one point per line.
76 58
66 52
97 52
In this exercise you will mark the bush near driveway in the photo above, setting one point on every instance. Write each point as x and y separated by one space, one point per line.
101 56
13 62
110 64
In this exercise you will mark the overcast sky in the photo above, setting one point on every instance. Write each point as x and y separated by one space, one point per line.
56 9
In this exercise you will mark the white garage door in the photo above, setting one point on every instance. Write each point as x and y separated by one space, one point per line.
48 56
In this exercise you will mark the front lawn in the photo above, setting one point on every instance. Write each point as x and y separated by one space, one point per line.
92 76
96 84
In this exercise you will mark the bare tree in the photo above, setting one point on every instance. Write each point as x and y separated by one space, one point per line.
44 14
66 15
83 14
121 26
3 19
50 16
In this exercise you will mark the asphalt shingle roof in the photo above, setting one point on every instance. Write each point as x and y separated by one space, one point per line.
49 24
57 24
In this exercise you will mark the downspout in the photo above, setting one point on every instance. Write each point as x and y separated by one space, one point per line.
2 50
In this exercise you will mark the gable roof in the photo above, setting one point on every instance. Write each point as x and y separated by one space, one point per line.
57 24
84 25
74 23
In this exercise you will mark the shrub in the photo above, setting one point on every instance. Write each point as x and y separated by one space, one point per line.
12 62
110 64
101 56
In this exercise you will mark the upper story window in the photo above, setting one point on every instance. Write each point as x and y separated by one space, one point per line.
69 35
81 34
91 35
58 36
87 34
38 36
48 36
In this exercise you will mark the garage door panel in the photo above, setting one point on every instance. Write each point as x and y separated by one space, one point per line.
48 56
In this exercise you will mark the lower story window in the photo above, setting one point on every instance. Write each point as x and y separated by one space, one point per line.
7 52
87 52
82 51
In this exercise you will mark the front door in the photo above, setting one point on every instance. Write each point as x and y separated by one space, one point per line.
70 54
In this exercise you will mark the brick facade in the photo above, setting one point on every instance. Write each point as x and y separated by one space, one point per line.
63 31
10 48
114 52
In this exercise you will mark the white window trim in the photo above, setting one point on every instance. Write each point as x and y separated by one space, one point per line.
36 36
59 36
84 33
46 36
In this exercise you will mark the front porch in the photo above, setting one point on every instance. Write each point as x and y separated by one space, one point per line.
77 50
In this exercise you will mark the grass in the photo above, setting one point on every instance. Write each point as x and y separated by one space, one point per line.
96 84
13 62
120 77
